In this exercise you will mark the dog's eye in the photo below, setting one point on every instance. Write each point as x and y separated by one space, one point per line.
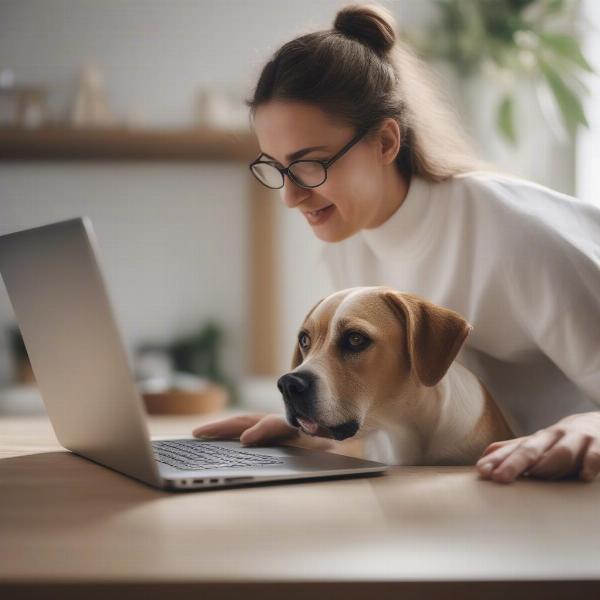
304 341
356 341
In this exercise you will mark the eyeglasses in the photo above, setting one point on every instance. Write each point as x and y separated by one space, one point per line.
304 173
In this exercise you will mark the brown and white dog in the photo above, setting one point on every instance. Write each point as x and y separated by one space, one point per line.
379 365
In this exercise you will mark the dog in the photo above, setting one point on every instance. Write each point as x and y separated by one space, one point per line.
378 365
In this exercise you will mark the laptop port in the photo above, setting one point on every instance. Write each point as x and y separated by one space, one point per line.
198 480
214 480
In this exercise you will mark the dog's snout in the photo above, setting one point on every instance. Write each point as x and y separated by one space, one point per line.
294 384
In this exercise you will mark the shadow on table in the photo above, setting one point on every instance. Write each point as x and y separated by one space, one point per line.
89 492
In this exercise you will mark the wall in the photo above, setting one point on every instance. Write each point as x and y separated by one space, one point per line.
588 142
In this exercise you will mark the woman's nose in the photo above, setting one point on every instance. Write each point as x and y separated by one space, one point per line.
292 194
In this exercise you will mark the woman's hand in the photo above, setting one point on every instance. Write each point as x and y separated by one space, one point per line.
260 429
568 448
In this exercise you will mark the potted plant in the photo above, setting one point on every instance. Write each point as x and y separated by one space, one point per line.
500 43
195 381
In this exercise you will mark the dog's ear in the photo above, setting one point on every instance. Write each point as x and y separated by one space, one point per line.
297 357
434 334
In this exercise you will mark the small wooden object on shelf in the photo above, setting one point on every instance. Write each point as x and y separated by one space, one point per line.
29 105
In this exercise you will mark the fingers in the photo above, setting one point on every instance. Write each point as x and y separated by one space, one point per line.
231 427
549 453
270 428
250 429
495 453
591 461
496 445
564 458
507 462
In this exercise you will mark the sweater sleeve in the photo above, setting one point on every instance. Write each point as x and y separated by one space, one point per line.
554 289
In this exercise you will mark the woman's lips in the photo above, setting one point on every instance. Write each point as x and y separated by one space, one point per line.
316 210
319 216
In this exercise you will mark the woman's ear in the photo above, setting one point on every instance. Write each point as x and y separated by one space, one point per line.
389 140
434 334
297 356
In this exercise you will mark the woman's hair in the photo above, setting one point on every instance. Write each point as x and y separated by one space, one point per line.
360 73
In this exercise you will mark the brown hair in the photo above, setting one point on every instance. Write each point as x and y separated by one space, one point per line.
360 73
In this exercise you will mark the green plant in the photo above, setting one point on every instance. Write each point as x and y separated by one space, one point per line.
512 38
199 353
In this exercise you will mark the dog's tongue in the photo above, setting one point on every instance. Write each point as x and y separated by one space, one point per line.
310 426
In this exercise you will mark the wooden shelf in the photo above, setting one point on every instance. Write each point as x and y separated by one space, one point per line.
63 143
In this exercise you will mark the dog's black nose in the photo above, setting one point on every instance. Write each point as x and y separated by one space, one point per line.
295 385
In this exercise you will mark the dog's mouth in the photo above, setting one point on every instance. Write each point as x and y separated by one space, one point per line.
309 426
337 432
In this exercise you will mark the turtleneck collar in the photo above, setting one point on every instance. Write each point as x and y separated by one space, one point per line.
405 229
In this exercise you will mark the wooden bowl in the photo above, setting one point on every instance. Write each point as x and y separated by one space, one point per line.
213 398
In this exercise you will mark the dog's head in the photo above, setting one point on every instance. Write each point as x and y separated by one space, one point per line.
361 347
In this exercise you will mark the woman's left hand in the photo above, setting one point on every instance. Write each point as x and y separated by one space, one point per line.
568 448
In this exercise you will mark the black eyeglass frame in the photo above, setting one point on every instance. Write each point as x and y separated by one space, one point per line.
324 163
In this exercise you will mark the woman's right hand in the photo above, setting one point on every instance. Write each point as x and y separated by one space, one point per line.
260 429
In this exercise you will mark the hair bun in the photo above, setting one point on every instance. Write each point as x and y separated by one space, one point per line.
371 25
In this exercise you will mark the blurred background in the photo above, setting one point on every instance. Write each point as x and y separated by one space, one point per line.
131 112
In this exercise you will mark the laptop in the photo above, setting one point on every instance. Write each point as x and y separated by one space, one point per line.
56 287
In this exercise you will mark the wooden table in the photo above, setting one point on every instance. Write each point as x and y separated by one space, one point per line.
70 528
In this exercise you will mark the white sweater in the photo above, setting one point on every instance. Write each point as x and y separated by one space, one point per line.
520 262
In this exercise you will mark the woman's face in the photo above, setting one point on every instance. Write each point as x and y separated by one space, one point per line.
354 189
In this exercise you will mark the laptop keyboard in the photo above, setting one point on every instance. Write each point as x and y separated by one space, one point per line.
197 455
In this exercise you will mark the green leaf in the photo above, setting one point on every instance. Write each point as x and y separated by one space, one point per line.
505 119
568 103
567 47
553 6
577 85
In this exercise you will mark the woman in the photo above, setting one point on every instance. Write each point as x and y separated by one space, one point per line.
400 201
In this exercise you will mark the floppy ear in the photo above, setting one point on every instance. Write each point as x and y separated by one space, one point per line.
434 334
297 357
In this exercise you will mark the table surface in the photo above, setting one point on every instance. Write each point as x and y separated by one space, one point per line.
66 519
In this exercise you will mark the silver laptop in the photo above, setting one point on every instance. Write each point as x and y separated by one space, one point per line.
55 284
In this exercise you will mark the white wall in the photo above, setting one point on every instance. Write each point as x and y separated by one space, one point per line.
588 142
